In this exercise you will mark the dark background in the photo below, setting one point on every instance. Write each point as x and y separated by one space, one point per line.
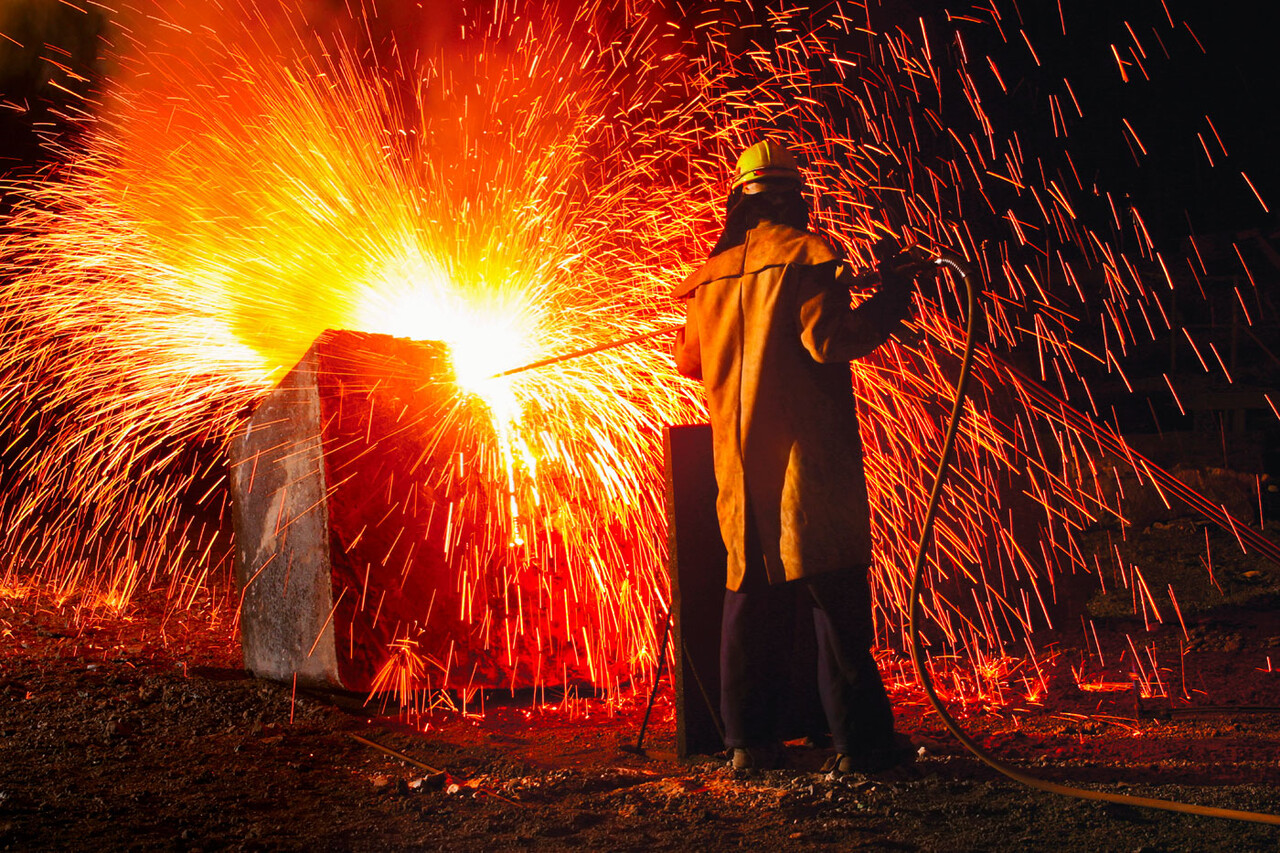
1225 71
1234 81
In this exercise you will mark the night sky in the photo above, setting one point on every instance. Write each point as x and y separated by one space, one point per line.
1233 82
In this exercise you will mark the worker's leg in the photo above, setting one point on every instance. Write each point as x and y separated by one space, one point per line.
755 646
853 693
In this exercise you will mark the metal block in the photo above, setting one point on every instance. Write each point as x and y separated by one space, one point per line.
347 541
282 535
697 573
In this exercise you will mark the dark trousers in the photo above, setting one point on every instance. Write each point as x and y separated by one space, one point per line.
755 650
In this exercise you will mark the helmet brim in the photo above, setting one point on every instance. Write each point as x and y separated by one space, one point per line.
756 186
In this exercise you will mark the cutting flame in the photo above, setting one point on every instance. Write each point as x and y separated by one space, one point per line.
488 328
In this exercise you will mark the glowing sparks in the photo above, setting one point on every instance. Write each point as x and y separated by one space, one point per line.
517 191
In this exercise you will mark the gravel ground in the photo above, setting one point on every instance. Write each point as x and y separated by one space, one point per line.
141 732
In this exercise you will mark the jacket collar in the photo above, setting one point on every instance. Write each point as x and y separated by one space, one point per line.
767 244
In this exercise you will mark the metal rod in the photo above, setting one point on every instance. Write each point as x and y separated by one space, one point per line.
706 697
657 680
396 754
635 339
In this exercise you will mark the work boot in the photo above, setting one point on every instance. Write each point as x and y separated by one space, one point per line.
872 761
768 757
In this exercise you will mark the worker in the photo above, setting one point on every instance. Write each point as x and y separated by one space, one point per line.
770 332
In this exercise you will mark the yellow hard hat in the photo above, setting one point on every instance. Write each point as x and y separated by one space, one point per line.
766 160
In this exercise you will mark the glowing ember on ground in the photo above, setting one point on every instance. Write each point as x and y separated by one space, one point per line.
535 184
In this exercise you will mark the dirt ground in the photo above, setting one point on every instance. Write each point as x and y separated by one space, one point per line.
141 731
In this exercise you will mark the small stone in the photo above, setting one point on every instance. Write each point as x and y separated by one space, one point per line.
429 782
119 728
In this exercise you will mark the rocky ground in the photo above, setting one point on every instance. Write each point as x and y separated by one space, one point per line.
140 731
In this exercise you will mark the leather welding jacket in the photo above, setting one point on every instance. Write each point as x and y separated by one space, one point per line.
770 331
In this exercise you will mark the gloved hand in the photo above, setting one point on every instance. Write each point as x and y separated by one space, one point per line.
885 249
899 267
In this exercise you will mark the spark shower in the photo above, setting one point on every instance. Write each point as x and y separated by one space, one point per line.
518 181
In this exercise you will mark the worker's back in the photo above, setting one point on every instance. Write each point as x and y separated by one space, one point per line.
773 339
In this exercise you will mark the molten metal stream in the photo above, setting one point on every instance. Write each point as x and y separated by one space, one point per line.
917 653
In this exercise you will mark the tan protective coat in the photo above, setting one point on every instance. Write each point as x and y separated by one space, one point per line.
770 331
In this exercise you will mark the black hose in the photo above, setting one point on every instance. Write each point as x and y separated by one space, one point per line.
917 577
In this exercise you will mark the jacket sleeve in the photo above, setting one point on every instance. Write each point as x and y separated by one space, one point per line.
688 346
834 332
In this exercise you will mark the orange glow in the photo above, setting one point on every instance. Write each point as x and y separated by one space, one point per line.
518 190
1106 686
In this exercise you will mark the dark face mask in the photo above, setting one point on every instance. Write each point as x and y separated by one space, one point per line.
785 206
